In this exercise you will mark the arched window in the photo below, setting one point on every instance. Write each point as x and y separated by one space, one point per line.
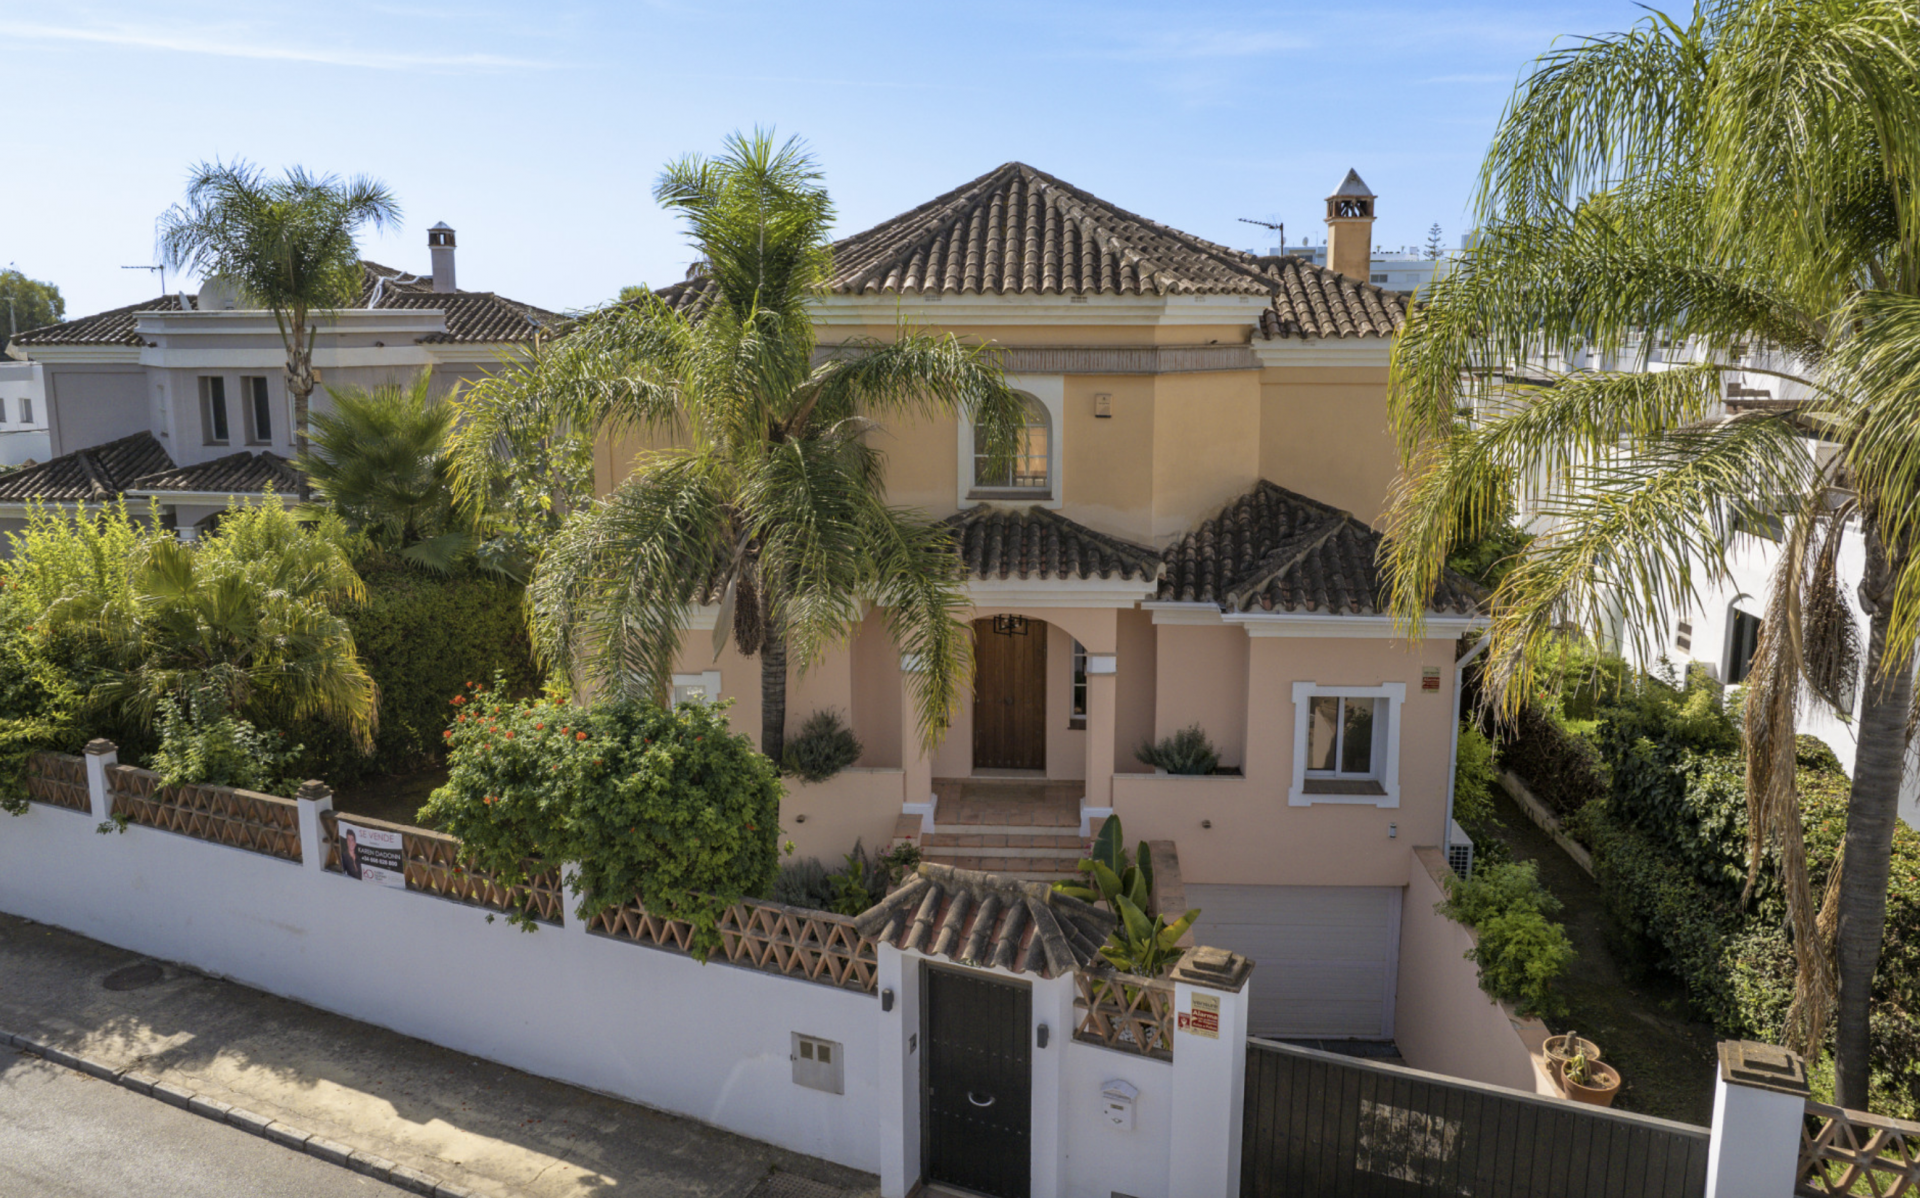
1029 471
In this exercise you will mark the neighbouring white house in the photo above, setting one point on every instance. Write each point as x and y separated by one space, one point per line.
182 399
23 414
1720 632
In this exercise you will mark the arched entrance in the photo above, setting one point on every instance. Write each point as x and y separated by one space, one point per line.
1010 694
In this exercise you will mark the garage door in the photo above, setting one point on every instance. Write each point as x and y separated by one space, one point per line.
1324 956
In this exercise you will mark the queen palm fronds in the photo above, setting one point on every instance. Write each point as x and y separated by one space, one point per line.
762 492
1739 187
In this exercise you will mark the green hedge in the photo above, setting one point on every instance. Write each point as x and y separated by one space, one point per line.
423 637
1559 767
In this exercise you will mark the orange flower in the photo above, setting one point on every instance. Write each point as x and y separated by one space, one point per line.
509 736
579 736
539 727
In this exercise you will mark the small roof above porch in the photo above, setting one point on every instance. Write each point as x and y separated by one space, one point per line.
987 921
1037 544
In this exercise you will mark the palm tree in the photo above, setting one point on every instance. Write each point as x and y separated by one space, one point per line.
377 459
287 244
769 498
1744 180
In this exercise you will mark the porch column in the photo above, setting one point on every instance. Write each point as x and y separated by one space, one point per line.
1759 1103
1103 692
1209 1073
916 764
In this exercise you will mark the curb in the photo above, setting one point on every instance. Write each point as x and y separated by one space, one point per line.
357 1159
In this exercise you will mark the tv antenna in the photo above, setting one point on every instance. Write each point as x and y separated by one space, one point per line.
1279 227
162 268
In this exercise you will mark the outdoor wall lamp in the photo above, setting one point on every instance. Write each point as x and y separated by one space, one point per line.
1206 823
886 1000
1042 1035
1393 831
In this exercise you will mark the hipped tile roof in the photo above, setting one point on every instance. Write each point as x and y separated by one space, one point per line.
982 919
240 473
1020 231
997 544
96 474
1272 550
473 317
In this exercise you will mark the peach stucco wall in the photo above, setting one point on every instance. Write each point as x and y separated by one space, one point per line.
1442 1021
1205 682
823 820
1135 696
1256 837
1324 433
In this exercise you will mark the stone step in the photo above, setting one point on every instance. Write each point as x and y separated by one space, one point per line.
949 838
1062 832
1028 869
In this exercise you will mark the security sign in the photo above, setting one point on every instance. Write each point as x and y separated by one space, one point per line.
1203 1019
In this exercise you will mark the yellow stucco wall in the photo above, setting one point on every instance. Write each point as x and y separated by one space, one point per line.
1323 433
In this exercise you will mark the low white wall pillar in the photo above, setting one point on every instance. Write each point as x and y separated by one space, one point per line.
1209 1073
1759 1104
899 1032
314 796
569 902
100 754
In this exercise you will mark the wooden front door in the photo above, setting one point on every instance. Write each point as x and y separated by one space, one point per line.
977 1131
1010 694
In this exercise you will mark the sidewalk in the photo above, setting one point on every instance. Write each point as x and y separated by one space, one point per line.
495 1130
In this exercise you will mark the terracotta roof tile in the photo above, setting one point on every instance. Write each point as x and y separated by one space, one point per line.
982 919
473 317
242 473
997 543
1273 550
96 474
1312 301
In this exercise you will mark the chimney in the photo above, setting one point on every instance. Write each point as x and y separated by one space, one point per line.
440 244
1350 228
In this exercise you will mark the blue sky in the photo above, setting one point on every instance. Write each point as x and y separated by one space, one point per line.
536 129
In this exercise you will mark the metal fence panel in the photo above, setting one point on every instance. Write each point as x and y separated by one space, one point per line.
1321 1125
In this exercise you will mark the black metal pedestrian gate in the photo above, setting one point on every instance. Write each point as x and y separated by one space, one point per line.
1321 1125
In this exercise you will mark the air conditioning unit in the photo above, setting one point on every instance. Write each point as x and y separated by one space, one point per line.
1459 850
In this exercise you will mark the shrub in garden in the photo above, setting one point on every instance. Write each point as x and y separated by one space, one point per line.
1520 951
422 637
667 806
199 743
1187 751
803 883
1558 766
822 748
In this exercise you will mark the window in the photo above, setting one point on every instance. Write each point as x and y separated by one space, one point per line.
689 688
1683 636
1030 471
26 409
1346 744
259 410
1078 711
213 410
1743 637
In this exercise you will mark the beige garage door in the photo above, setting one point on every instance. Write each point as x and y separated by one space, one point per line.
1324 956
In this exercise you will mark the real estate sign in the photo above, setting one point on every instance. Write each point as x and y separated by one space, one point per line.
376 855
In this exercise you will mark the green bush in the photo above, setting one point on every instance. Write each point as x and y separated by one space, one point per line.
803 883
1561 768
822 748
422 637
1521 952
1187 751
199 743
668 806
1473 778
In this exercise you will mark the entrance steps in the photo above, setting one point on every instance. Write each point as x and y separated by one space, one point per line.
1022 829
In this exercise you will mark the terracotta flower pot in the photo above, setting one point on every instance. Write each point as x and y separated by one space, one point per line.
1559 1051
1603 1082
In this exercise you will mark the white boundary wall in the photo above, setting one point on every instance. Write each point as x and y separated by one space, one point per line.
709 1041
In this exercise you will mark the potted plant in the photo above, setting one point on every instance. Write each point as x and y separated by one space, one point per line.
1561 1049
1584 1079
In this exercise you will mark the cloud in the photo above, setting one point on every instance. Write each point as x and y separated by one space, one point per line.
1489 78
1191 45
227 46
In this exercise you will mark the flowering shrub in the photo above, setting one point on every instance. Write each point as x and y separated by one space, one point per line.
670 807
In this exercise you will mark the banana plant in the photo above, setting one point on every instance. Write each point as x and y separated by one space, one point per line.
1144 945
1113 874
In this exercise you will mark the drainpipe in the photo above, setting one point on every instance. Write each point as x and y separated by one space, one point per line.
1453 742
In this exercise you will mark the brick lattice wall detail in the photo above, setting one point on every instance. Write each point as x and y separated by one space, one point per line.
1852 1152
1126 1013
238 818
59 780
817 946
434 865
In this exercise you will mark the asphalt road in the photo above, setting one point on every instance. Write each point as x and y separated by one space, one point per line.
67 1135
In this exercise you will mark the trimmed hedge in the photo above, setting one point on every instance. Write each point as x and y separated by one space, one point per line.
423 637
1561 768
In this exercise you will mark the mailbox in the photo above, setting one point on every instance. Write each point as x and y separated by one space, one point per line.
1116 1104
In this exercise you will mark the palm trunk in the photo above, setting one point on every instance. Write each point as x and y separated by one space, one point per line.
300 384
773 693
1872 810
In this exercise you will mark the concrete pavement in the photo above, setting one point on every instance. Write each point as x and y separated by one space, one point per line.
473 1123
66 1135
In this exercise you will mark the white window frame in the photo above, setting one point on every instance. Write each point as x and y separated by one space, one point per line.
1394 697
254 405
710 679
1050 392
207 387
